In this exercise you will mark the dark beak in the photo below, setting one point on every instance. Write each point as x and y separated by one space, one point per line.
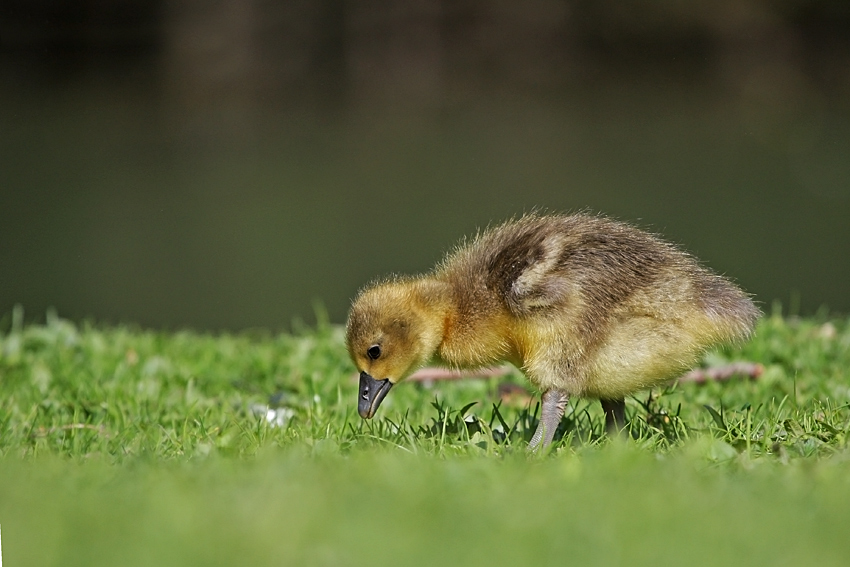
372 393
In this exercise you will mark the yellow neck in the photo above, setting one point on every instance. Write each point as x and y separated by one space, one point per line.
461 340
434 302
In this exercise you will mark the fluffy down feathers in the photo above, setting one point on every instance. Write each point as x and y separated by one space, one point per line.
587 305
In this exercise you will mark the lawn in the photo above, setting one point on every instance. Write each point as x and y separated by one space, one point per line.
123 446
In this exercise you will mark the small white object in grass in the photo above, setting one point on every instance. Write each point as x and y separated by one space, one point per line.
276 417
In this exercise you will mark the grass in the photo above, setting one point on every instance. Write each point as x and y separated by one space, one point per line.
132 447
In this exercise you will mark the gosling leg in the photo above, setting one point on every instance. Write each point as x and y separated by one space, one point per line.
615 416
552 405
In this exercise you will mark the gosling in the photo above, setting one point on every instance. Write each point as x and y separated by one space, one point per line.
584 305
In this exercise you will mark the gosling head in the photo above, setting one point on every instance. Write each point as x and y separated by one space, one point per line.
390 333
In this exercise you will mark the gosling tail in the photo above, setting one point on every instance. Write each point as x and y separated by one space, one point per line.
729 308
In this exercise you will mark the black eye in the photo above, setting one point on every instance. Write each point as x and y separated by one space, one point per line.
374 352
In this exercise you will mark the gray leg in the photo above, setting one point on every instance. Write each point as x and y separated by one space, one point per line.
615 416
552 407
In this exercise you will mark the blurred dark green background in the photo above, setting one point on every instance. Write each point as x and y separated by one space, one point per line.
223 164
